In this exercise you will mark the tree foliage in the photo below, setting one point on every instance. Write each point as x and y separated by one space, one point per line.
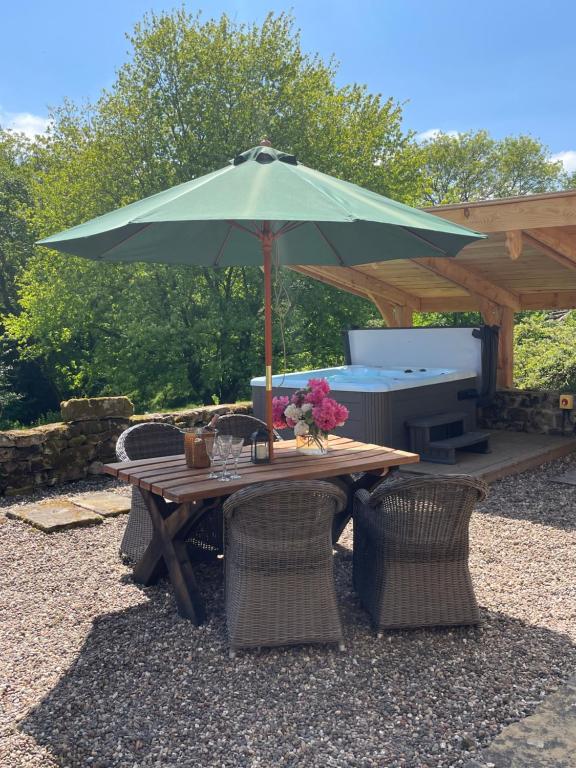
474 166
191 95
545 352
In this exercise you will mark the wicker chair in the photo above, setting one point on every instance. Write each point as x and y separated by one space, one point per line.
240 425
410 559
146 441
279 587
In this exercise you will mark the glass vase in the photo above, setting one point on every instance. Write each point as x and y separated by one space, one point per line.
313 445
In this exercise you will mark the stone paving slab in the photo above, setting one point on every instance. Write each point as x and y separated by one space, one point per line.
103 503
546 739
54 516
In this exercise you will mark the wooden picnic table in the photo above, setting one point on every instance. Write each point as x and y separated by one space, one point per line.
177 496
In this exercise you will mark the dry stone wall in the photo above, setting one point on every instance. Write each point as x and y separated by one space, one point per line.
85 440
528 410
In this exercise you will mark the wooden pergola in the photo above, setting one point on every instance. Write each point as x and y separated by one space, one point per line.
527 262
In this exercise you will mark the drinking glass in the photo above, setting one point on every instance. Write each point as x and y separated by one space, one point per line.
212 449
236 448
224 448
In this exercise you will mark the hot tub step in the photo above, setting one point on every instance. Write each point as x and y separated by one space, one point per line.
444 451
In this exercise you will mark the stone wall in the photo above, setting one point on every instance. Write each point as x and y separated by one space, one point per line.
528 410
85 439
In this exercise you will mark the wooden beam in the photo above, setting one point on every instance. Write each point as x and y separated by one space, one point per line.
333 282
353 280
514 243
553 209
405 317
550 251
386 310
471 281
505 370
549 300
491 313
534 300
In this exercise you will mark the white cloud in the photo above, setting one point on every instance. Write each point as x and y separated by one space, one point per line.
432 133
567 158
24 122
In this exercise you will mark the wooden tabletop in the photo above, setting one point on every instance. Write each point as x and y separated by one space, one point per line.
168 476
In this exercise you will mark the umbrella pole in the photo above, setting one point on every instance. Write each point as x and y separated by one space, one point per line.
267 240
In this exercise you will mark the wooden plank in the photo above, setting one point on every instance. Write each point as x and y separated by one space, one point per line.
554 209
314 470
349 278
505 371
552 253
555 243
333 465
531 300
549 300
473 282
171 478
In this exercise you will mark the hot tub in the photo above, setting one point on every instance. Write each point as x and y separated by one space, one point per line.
436 370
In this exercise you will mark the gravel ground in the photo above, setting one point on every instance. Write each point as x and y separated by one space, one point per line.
98 672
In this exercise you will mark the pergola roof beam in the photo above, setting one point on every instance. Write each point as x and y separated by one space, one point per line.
366 285
471 281
555 244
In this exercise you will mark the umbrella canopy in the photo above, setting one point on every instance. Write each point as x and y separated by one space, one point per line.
209 221
263 199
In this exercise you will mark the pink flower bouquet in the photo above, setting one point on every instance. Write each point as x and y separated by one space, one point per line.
309 411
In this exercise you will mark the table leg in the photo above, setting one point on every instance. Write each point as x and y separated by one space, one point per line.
151 566
166 540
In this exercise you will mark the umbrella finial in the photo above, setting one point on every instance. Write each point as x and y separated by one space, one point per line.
265 142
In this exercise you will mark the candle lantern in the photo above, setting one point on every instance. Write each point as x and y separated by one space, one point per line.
260 452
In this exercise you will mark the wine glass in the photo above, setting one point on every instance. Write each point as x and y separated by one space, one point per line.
212 449
236 446
224 448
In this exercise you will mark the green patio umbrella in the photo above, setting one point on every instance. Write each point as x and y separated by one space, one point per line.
264 199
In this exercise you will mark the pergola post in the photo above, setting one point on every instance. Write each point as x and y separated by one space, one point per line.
394 316
404 315
505 371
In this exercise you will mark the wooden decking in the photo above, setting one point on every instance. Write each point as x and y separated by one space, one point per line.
512 452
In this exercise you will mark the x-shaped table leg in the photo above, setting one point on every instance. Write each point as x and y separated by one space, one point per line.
167 551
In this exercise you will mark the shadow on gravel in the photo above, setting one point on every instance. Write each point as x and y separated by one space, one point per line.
535 498
149 689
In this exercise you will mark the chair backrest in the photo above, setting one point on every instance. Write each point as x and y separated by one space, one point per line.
428 514
145 441
285 512
239 425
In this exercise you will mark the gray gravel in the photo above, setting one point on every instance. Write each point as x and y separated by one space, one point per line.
98 672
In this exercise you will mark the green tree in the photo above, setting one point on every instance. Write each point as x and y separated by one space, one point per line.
191 96
545 352
474 166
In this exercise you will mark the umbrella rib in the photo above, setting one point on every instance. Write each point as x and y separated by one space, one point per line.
221 249
288 227
425 240
244 229
332 248
125 239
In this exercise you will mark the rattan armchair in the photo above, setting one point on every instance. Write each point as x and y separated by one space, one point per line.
241 425
410 559
146 441
279 587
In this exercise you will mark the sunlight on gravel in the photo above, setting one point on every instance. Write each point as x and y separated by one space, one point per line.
98 672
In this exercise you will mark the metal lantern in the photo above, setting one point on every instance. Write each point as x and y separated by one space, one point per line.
260 447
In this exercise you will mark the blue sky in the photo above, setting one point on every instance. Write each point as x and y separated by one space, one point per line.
507 66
